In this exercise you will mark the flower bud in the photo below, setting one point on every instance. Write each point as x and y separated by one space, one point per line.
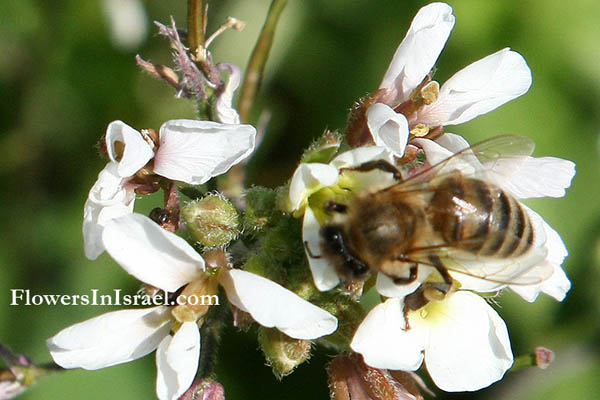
282 352
204 389
350 378
323 149
543 357
212 221
348 312
261 209
21 373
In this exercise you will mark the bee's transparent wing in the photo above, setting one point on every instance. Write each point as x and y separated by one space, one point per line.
493 160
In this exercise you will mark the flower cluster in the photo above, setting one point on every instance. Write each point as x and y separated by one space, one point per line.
461 339
395 203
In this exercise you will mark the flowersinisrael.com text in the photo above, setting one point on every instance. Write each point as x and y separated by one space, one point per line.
24 297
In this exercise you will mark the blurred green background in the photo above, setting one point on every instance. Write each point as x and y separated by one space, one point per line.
63 78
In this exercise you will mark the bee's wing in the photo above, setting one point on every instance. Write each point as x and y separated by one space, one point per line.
493 160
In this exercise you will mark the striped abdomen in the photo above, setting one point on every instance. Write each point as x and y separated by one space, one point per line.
479 217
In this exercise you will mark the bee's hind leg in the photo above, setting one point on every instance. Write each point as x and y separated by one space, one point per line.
382 165
448 281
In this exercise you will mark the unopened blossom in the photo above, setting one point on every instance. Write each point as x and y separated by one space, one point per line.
166 261
407 103
186 150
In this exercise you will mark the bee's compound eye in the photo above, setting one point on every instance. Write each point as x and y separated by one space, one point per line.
332 236
357 267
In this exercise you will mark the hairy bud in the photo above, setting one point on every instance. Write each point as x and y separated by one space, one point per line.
282 352
323 149
212 221
261 209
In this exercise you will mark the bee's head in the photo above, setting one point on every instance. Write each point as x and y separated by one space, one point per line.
333 244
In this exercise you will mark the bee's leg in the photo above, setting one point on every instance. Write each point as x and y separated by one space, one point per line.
382 165
439 266
310 253
411 277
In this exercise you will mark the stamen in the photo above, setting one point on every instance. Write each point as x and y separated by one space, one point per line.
419 130
232 23
150 137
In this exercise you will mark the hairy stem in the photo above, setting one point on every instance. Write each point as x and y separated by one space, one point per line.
210 334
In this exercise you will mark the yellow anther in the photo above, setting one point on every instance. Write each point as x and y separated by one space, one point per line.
430 92
419 130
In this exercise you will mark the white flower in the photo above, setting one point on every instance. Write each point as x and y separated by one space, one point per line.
310 178
463 341
166 261
190 151
477 89
109 198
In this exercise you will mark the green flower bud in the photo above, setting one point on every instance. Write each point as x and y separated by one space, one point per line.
261 208
348 312
282 352
212 221
323 149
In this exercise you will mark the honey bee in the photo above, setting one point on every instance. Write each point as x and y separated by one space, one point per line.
452 216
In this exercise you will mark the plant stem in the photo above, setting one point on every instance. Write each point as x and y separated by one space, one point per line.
195 20
210 334
523 361
258 60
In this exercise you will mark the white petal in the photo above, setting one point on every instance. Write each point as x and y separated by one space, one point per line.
541 177
107 199
452 142
558 284
526 177
194 151
177 362
386 286
468 348
272 305
479 88
388 128
307 179
137 152
361 155
383 342
324 274
110 339
225 112
150 253
418 52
